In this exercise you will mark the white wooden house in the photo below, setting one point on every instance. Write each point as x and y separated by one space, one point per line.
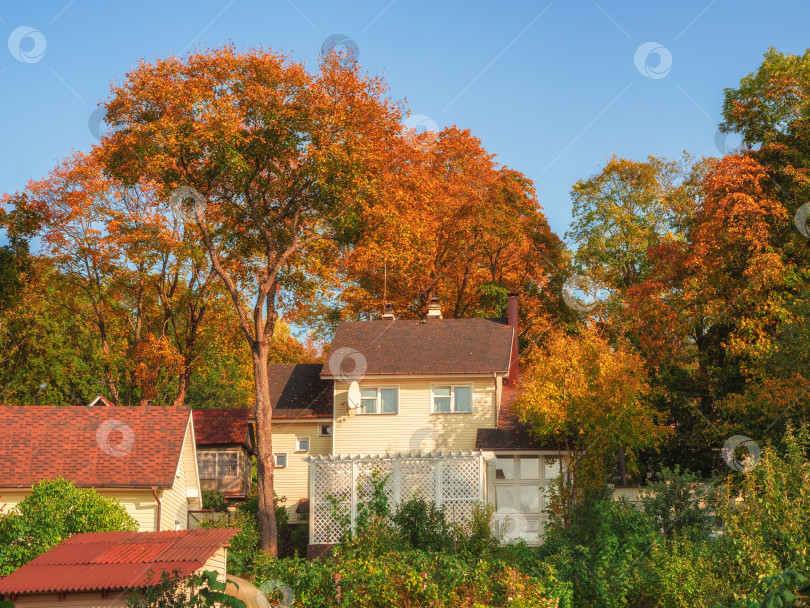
425 402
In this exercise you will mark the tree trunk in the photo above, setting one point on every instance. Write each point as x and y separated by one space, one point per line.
622 467
185 380
264 450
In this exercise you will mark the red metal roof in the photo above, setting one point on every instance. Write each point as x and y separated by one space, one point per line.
112 561
91 446
221 426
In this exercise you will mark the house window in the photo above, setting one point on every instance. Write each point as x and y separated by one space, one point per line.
521 482
325 430
302 444
452 399
208 464
379 400
218 464
281 460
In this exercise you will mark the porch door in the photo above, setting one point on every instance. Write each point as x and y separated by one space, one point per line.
521 483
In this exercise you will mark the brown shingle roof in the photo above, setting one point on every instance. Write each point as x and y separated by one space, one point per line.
510 433
112 561
222 426
433 346
297 391
91 446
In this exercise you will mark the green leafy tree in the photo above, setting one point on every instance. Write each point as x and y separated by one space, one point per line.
55 510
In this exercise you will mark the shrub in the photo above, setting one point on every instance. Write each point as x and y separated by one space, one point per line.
680 502
55 510
213 499
200 590
244 546
423 526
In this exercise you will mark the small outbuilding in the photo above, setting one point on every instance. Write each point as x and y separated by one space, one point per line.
99 569
225 443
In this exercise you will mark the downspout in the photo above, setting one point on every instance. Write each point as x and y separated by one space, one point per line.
160 507
498 396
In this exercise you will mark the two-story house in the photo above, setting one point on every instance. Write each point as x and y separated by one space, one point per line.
425 403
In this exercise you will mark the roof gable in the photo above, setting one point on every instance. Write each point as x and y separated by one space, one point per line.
115 560
413 347
91 446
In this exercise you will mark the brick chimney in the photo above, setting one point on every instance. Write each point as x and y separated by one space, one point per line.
434 310
512 308
388 313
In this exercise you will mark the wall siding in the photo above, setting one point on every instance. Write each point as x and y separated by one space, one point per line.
140 504
218 562
413 428
293 481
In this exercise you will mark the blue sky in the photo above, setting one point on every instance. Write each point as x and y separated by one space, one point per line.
553 88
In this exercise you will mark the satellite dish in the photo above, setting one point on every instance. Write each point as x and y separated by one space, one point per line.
354 395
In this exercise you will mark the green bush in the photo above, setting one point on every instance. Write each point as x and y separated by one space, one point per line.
349 577
423 526
213 499
55 510
199 590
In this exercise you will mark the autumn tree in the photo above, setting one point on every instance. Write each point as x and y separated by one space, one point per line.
592 398
457 226
276 163
123 266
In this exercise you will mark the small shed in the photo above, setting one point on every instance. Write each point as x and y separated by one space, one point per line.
226 440
98 569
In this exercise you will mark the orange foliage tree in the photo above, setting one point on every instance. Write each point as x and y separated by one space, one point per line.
284 161
592 397
457 226
125 267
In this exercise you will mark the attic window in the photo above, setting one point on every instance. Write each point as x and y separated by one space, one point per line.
325 430
452 400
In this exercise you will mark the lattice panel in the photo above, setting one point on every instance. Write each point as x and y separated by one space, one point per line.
460 479
459 512
331 478
409 477
365 471
327 528
417 479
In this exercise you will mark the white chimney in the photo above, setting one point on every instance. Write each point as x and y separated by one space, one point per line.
388 313
434 310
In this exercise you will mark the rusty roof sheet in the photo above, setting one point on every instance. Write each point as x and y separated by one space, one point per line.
112 561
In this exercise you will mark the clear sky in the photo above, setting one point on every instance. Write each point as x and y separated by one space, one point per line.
553 88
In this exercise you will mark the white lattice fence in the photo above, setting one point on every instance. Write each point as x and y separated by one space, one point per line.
452 481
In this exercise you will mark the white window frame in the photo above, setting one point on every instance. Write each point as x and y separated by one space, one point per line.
320 429
217 456
298 439
275 459
378 406
433 387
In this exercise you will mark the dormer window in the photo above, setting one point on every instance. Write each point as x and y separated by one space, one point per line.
379 400
451 399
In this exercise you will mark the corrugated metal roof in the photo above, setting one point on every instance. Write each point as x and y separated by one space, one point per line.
112 561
